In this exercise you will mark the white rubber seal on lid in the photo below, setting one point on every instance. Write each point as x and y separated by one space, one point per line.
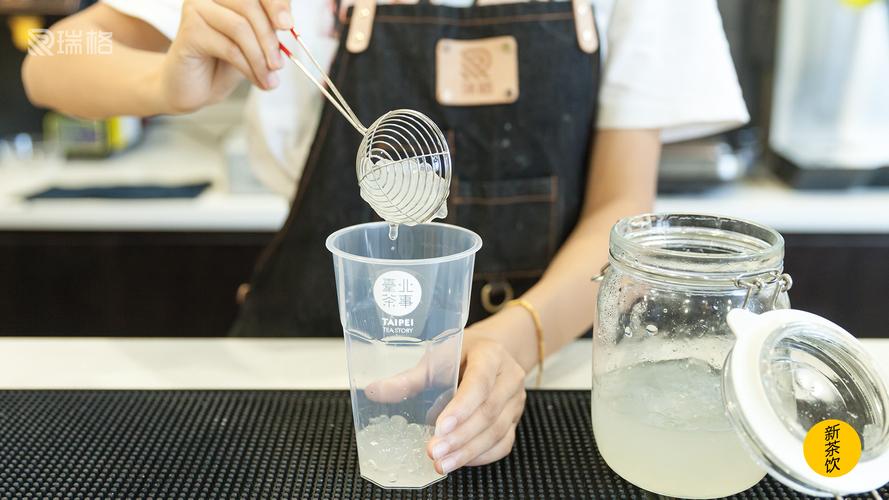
774 436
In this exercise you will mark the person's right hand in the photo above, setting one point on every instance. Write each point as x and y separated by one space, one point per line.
219 42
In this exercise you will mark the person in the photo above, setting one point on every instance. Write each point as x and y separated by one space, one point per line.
554 138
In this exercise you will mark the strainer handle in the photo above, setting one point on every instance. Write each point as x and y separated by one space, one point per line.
337 99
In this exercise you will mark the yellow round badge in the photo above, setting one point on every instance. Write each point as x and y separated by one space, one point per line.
832 448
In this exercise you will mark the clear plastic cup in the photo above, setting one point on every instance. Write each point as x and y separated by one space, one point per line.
403 304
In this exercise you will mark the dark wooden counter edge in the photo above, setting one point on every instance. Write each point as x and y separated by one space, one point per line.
176 284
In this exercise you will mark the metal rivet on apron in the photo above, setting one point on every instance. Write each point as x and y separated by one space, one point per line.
359 36
581 9
587 35
365 12
500 287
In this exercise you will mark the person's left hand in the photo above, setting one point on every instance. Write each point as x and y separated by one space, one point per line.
478 426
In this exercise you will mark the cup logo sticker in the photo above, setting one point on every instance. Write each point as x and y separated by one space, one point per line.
397 293
832 448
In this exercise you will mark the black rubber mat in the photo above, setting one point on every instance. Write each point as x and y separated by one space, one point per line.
273 444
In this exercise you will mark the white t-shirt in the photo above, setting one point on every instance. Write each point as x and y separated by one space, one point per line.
666 65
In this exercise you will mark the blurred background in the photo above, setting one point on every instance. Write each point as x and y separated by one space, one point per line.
150 227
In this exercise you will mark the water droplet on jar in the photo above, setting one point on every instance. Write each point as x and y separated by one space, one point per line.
628 332
651 329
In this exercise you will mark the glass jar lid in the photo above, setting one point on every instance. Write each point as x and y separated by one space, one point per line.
790 370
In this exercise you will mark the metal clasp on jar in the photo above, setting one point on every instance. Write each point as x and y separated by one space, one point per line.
756 282
601 275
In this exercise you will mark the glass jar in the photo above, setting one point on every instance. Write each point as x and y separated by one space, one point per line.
661 341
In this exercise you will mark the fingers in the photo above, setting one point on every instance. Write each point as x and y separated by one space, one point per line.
438 405
237 29
262 26
487 414
221 47
479 377
398 387
488 443
498 451
278 11
476 426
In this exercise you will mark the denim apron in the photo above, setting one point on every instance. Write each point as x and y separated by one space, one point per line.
520 169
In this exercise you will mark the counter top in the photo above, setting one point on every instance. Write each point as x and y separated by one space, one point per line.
188 149
174 151
764 201
770 202
229 363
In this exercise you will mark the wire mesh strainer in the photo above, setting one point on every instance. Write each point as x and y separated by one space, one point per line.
403 164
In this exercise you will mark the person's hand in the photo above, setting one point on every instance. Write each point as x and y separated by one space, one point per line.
219 42
478 426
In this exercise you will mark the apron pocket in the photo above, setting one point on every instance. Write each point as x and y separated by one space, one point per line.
516 220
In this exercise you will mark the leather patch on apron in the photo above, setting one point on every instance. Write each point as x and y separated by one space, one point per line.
477 72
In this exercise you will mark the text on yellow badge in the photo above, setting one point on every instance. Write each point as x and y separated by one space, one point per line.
832 448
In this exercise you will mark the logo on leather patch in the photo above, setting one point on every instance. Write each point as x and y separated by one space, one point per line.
477 72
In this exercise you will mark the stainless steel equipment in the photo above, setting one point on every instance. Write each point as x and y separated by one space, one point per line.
830 115
403 163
